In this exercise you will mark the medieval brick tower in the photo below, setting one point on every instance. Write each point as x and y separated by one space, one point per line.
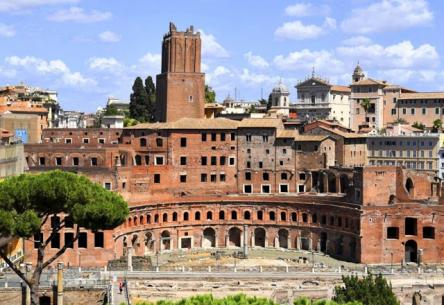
181 85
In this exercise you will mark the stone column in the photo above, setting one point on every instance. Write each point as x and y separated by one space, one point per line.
310 244
299 240
60 284
245 240
276 242
129 258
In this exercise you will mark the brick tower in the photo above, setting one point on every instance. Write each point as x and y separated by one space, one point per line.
181 85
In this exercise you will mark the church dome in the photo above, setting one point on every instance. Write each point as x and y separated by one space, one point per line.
358 70
280 88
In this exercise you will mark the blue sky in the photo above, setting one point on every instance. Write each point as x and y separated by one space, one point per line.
88 50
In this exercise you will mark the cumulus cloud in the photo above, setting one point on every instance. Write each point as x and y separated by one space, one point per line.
356 41
306 9
7 30
151 60
298 31
108 64
18 5
255 79
78 14
109 36
256 60
307 59
388 15
397 56
211 47
53 67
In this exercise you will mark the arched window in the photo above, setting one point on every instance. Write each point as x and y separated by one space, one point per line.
186 216
294 216
156 218
197 215
209 215
138 160
247 215
174 216
221 215
272 215
233 215
141 219
165 217
148 218
260 215
283 216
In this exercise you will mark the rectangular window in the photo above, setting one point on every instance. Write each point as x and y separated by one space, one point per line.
428 232
247 176
101 141
283 188
183 178
284 151
68 141
284 176
233 136
203 160
410 226
261 164
42 161
156 178
99 240
38 238
248 189
58 161
107 186
93 161
158 160
248 164
394 111
412 111
55 240
213 136
85 140
204 137
213 177
266 176
83 240
265 188
265 138
69 240
183 142
392 233
222 136
424 110
248 137
222 177
231 160
183 160
213 160
203 177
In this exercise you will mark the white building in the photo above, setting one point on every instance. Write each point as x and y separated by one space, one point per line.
280 101
318 99
112 121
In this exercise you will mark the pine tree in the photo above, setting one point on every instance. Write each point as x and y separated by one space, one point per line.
139 102
150 89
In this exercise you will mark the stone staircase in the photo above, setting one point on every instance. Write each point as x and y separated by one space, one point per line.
140 263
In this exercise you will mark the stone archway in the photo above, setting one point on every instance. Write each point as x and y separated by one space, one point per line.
209 238
345 183
149 242
323 242
409 186
283 238
234 237
411 252
165 239
259 237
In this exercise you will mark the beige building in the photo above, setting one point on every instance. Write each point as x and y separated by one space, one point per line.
320 100
25 127
413 151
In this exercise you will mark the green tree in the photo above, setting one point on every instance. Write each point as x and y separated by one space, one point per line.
28 203
370 290
210 95
127 122
400 121
437 125
419 125
112 110
306 301
263 102
139 102
269 102
365 103
150 88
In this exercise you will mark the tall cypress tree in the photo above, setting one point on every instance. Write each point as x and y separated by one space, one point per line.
139 102
150 89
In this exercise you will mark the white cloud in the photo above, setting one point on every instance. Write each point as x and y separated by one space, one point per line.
53 67
109 64
388 15
17 5
254 79
77 14
9 73
397 56
221 70
210 46
306 9
7 30
151 59
297 30
307 59
356 41
109 36
256 60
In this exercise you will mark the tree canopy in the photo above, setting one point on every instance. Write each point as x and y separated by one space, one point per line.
28 201
365 103
437 125
369 290
142 100
210 95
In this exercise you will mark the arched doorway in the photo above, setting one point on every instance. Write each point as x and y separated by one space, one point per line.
165 240
259 237
234 237
323 242
149 242
283 238
331 183
344 183
209 238
409 186
305 240
411 252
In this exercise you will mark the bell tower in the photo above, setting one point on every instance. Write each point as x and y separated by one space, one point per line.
180 85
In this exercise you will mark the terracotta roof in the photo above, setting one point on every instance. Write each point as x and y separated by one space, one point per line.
421 95
286 133
260 123
369 81
310 138
349 135
213 105
339 88
190 123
